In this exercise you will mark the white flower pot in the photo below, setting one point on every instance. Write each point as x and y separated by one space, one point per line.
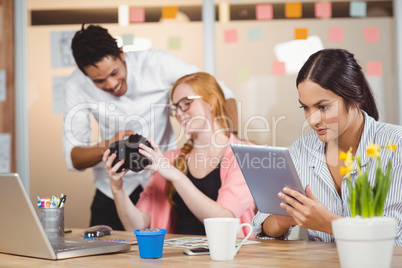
365 242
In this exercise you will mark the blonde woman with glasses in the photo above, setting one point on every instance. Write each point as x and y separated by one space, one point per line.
200 180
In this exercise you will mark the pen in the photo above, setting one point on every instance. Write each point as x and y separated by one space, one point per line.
62 201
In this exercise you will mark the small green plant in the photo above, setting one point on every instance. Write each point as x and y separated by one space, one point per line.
363 199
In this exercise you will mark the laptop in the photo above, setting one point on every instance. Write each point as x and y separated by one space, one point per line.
267 170
21 233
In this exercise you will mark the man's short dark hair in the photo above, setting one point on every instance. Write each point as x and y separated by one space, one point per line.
91 45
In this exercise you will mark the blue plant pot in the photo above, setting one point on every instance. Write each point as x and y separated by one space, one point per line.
150 242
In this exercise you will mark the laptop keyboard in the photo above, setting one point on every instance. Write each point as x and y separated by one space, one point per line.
67 245
61 248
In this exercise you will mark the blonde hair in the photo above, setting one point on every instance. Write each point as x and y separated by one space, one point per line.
206 86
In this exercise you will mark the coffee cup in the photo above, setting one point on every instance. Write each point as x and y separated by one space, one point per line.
222 236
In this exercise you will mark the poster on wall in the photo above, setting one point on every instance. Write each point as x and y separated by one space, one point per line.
5 152
58 83
61 54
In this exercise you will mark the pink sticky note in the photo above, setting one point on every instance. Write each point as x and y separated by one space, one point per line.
374 68
264 12
323 10
230 36
137 14
278 68
335 34
371 34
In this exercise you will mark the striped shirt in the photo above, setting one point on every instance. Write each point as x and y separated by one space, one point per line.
310 162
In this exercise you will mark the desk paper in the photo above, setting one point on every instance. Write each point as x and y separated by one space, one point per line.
264 12
5 152
128 39
254 34
374 68
293 10
358 9
169 12
137 14
174 43
295 53
58 83
371 34
323 10
335 34
3 95
243 74
196 242
301 33
230 36
278 68
61 54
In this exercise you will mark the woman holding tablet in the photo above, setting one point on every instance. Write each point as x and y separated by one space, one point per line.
198 181
339 106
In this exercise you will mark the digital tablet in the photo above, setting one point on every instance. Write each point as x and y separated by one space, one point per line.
267 170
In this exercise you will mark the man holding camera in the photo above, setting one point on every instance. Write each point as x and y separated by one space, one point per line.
126 93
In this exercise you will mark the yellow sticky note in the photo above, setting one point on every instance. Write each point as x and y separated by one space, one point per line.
293 10
169 12
243 74
301 33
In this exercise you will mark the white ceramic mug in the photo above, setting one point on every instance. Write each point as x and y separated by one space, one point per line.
222 235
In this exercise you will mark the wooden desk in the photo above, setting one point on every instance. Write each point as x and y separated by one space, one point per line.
268 253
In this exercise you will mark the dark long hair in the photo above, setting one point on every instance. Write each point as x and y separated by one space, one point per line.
91 45
337 70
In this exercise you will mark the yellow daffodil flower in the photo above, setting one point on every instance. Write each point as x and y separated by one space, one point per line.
373 150
348 159
345 171
366 200
392 147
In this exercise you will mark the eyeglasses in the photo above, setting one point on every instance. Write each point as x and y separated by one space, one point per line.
182 105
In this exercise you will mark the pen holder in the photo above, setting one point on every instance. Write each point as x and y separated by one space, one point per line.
52 220
150 242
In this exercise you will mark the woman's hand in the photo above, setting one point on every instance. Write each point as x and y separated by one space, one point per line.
307 211
160 163
116 179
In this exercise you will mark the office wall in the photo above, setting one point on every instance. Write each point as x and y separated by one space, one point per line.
268 106
268 102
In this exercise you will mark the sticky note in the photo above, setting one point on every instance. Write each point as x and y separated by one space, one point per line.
358 9
137 14
374 68
128 39
301 33
323 10
169 12
293 10
278 68
255 34
230 36
371 34
174 43
335 34
243 74
264 12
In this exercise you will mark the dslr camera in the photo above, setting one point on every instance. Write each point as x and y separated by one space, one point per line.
128 151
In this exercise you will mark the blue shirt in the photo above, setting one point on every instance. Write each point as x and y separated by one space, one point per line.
310 162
